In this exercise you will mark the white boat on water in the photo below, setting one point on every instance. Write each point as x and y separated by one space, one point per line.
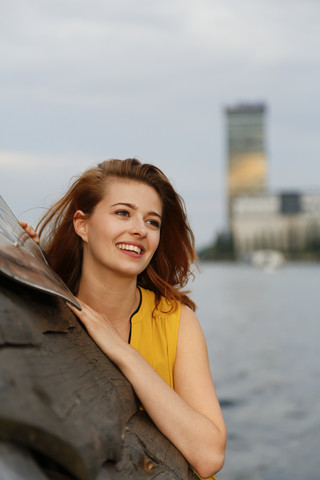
267 259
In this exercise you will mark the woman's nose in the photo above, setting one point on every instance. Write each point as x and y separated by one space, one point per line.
139 228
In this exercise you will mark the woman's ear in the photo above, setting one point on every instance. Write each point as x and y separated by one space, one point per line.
80 225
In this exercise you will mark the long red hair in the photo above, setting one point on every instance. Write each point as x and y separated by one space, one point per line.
169 270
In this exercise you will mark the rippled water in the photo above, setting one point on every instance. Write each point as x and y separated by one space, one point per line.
263 335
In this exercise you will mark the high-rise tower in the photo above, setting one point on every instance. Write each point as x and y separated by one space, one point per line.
246 157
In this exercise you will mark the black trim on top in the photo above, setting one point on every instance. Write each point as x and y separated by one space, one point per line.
136 311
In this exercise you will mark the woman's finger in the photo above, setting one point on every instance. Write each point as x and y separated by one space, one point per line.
30 231
84 313
74 309
23 224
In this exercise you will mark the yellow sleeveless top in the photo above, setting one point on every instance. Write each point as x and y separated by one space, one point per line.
154 334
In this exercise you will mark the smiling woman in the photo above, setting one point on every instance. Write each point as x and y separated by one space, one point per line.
120 235
120 240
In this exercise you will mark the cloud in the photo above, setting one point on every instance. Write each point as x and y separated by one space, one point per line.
83 81
140 38
31 181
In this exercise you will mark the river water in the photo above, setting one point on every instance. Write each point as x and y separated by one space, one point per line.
263 336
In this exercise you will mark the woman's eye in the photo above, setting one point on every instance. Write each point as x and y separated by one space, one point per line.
154 223
122 213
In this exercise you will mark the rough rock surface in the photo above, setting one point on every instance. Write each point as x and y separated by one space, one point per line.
66 411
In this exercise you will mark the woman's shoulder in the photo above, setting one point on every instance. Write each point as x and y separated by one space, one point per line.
190 327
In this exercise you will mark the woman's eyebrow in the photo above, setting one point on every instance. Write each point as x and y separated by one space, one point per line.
134 207
155 214
130 205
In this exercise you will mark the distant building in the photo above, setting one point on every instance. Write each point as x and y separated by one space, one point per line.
286 221
246 156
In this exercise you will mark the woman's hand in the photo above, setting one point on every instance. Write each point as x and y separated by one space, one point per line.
101 330
30 231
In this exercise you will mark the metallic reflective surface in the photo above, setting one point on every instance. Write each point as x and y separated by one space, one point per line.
22 259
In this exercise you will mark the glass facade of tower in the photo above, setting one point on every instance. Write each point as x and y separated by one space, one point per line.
247 164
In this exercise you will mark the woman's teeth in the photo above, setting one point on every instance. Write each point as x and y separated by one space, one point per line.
131 248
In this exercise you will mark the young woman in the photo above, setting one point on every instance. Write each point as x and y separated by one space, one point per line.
120 240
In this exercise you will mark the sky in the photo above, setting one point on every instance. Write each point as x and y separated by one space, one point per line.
82 81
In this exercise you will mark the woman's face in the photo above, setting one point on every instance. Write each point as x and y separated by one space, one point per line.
123 232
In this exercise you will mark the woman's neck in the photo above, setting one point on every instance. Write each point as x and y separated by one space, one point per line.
116 297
